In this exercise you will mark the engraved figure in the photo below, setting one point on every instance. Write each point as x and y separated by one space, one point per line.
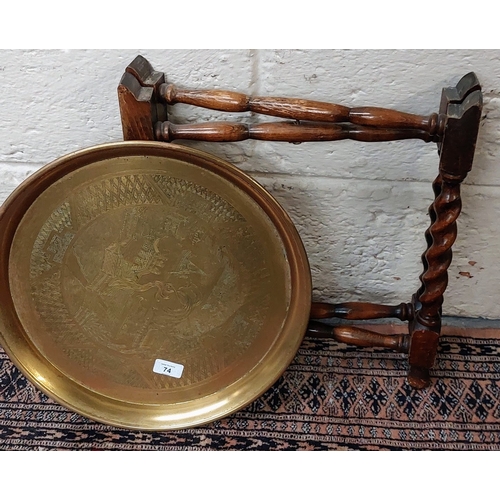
146 272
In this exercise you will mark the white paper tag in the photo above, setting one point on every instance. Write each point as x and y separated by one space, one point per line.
168 368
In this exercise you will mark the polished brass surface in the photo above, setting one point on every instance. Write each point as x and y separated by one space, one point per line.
123 254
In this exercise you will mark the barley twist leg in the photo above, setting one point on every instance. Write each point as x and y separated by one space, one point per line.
441 235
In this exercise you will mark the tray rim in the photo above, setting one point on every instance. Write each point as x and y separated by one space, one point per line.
33 365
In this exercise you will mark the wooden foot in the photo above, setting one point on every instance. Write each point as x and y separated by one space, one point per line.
419 378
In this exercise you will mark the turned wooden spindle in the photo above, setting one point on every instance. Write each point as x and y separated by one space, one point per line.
357 336
282 131
301 109
360 311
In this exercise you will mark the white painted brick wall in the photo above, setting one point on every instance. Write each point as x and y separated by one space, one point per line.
360 208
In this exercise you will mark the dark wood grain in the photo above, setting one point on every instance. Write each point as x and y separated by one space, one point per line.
360 311
281 132
443 232
357 336
235 102
137 109
302 109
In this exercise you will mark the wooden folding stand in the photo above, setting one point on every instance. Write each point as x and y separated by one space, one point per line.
144 96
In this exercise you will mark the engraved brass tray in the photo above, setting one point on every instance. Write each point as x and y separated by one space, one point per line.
149 285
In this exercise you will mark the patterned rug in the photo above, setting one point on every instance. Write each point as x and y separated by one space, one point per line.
332 397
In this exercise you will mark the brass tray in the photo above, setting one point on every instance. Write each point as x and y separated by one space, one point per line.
150 286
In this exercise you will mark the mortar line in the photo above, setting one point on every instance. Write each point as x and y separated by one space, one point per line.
255 71
282 175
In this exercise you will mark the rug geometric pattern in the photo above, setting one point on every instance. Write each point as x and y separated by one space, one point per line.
332 397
